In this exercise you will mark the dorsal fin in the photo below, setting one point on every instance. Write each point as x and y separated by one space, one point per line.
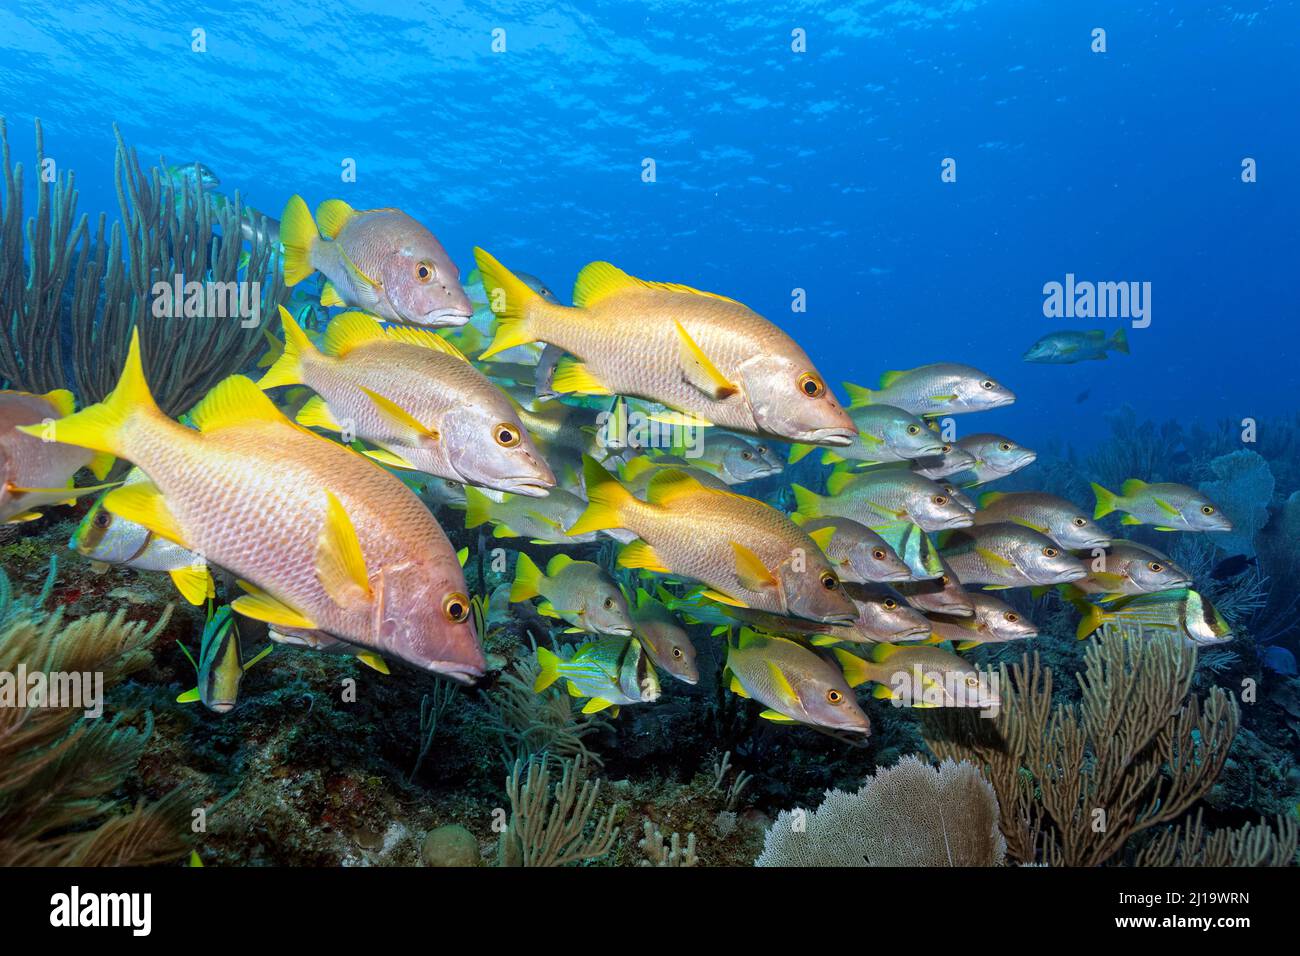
989 497
234 401
600 280
671 483
838 480
889 378
638 466
349 330
332 215
424 339
62 401
1132 486
557 564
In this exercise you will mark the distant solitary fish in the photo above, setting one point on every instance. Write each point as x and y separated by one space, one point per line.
1068 347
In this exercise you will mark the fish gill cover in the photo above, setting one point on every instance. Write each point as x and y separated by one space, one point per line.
462 434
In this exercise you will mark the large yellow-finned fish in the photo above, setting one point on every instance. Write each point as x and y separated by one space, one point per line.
380 260
35 472
696 352
415 396
321 538
747 553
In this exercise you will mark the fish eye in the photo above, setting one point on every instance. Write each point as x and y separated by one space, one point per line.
828 581
889 604
1004 445
811 385
944 580
1012 616
762 449
1050 552
677 653
609 604
947 449
986 385
747 455
833 696
102 519
914 429
455 607
939 500
972 680
1155 566
424 271
506 435
878 554
1207 509
1080 521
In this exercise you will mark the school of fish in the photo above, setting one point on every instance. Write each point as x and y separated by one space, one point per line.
636 414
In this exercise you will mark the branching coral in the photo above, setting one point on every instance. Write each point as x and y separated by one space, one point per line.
529 723
1077 782
548 829
910 814
67 289
666 852
56 768
1251 845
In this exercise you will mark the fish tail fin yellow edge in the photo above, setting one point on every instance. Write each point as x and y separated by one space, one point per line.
548 670
287 369
299 235
104 426
512 300
607 500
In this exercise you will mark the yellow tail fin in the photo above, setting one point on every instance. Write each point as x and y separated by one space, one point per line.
102 427
298 235
511 299
808 502
287 369
548 670
528 579
606 499
478 507
1106 501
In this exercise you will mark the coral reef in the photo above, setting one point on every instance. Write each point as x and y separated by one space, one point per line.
1243 488
58 768
1077 783
71 323
911 814
548 829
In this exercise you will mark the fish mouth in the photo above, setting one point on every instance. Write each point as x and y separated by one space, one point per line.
528 486
1071 574
447 317
912 634
894 576
832 435
221 706
842 620
457 670
618 631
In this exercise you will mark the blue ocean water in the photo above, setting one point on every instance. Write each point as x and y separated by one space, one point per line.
775 170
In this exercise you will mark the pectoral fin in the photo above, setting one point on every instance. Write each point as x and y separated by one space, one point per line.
398 416
751 571
340 565
777 717
597 704
698 369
